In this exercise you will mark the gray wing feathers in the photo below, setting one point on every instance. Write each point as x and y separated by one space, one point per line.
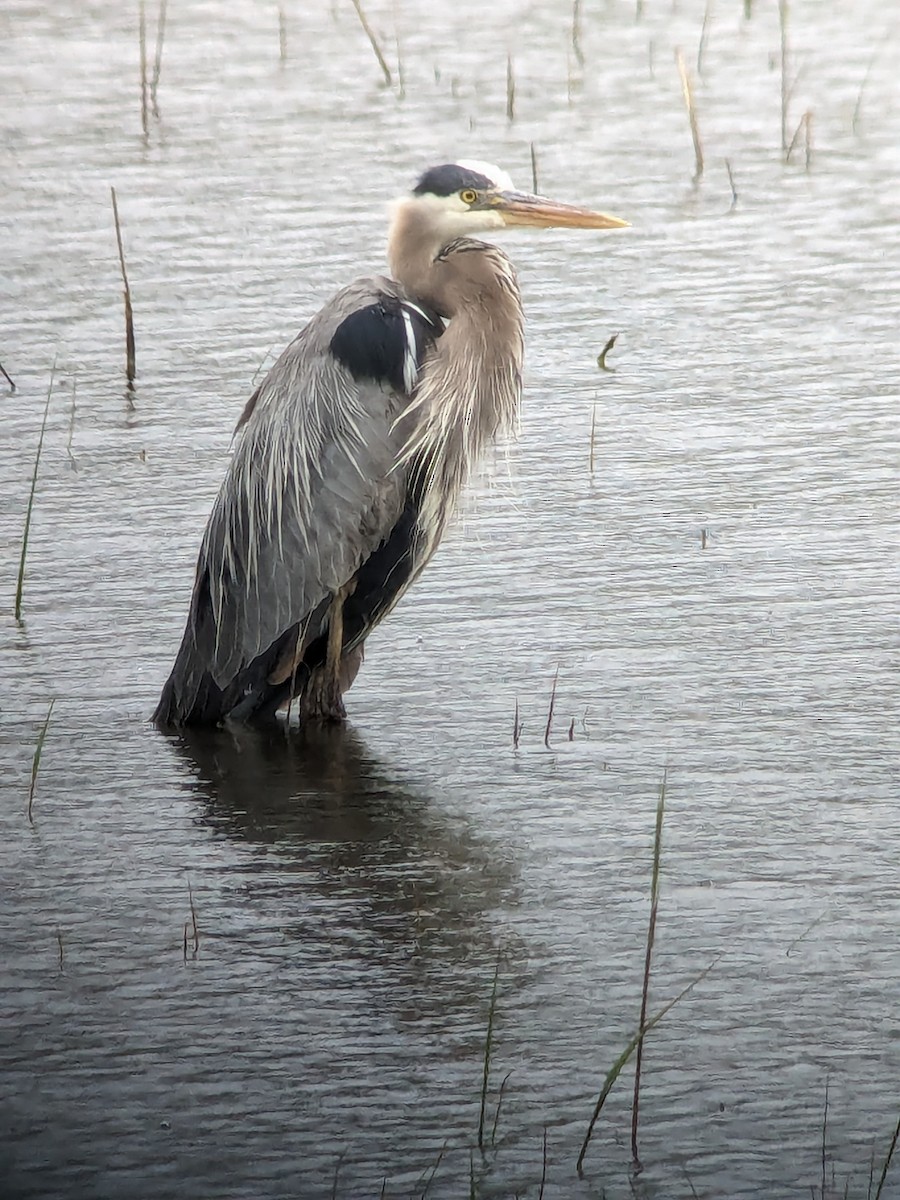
309 493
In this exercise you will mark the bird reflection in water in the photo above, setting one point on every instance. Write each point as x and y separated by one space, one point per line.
369 864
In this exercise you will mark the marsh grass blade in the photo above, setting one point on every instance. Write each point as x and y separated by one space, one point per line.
616 1069
72 458
500 1094
3 372
20 583
734 195
337 1171
887 1161
648 956
434 1171
36 766
510 89
825 1138
488 1046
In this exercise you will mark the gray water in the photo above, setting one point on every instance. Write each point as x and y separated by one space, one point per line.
718 596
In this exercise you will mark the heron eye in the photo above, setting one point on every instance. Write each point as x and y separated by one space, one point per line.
468 196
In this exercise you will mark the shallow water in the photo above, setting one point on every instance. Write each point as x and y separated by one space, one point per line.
718 596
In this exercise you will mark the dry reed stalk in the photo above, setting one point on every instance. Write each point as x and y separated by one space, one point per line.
576 33
688 92
534 173
704 35
373 42
785 86
734 195
129 315
196 931
510 89
142 38
857 109
157 57
282 36
12 386
804 130
550 709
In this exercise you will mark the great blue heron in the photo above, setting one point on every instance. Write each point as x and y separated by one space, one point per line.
352 454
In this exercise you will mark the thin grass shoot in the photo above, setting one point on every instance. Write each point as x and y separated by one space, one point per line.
731 184
20 583
488 1046
616 1069
887 1161
648 956
500 1095
36 761
704 35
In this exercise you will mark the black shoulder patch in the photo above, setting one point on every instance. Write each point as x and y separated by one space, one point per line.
450 178
386 341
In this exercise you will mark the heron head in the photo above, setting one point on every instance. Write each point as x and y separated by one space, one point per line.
473 197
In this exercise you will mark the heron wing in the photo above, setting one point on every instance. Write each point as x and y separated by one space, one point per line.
313 487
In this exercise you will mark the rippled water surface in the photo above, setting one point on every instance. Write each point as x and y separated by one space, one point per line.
717 590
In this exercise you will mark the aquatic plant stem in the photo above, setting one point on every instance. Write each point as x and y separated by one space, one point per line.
488 1044
20 584
35 767
645 989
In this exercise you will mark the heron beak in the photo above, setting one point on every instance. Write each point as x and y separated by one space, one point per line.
521 208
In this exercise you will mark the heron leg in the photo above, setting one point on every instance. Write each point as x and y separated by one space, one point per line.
322 697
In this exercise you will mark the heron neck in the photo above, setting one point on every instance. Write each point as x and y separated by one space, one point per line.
413 245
